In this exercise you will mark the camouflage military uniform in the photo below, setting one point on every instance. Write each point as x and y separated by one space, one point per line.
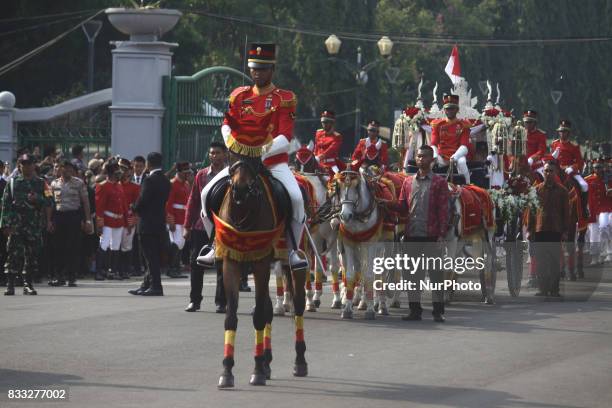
27 221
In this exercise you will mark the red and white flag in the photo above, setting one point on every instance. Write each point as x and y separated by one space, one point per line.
453 68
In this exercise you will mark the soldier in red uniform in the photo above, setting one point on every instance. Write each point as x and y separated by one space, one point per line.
536 142
259 123
328 143
111 217
450 137
570 159
175 215
371 150
131 191
599 208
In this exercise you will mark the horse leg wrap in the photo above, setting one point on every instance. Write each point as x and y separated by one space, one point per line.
259 343
228 349
300 345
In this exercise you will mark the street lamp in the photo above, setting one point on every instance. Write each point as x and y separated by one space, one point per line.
385 46
91 30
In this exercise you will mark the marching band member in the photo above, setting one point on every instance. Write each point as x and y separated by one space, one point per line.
371 150
111 216
260 123
175 215
450 137
131 191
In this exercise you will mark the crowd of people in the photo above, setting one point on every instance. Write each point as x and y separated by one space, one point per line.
110 218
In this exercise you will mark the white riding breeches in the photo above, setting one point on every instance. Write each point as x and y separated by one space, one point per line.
127 239
283 174
176 237
461 167
583 184
111 237
604 220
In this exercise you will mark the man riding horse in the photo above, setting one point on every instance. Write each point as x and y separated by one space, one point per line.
327 144
450 137
260 123
371 150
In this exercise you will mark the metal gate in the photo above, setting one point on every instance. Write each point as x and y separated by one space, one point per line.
195 106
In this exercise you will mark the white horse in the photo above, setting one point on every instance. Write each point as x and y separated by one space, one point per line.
360 222
477 243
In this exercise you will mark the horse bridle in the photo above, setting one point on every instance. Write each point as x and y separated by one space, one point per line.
252 188
364 215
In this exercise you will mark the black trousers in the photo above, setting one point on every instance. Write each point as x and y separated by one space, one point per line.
426 246
548 257
198 240
152 246
67 243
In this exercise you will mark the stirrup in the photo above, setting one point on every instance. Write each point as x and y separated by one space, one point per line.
298 260
206 256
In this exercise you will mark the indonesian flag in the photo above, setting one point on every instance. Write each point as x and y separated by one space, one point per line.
453 68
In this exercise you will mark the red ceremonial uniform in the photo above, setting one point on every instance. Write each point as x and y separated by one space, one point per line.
373 152
110 204
176 205
131 191
598 201
327 146
569 154
448 134
256 116
536 144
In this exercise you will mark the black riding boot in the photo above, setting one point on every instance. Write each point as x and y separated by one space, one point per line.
115 259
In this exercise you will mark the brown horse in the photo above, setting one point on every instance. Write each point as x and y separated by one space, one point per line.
248 224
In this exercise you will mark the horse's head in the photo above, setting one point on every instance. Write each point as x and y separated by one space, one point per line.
243 178
346 189
305 161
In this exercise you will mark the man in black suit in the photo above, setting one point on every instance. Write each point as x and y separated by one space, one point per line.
151 210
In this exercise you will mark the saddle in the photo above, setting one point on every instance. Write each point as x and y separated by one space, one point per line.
215 197
476 207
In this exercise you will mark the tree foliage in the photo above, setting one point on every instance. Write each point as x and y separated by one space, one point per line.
526 74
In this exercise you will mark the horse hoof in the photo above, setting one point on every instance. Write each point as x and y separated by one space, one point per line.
490 300
317 303
346 314
370 315
383 311
258 379
362 305
395 305
267 371
311 308
300 370
336 304
226 381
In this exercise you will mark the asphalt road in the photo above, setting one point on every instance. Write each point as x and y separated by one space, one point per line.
111 349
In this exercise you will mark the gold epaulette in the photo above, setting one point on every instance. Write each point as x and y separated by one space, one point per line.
288 98
237 92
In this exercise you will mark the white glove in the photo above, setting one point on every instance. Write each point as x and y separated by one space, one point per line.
280 144
530 161
462 151
435 149
556 152
225 132
317 158
335 168
569 170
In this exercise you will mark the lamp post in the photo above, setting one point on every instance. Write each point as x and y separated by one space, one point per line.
91 30
360 70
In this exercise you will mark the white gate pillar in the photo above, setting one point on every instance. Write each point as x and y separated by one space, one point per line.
7 126
137 108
